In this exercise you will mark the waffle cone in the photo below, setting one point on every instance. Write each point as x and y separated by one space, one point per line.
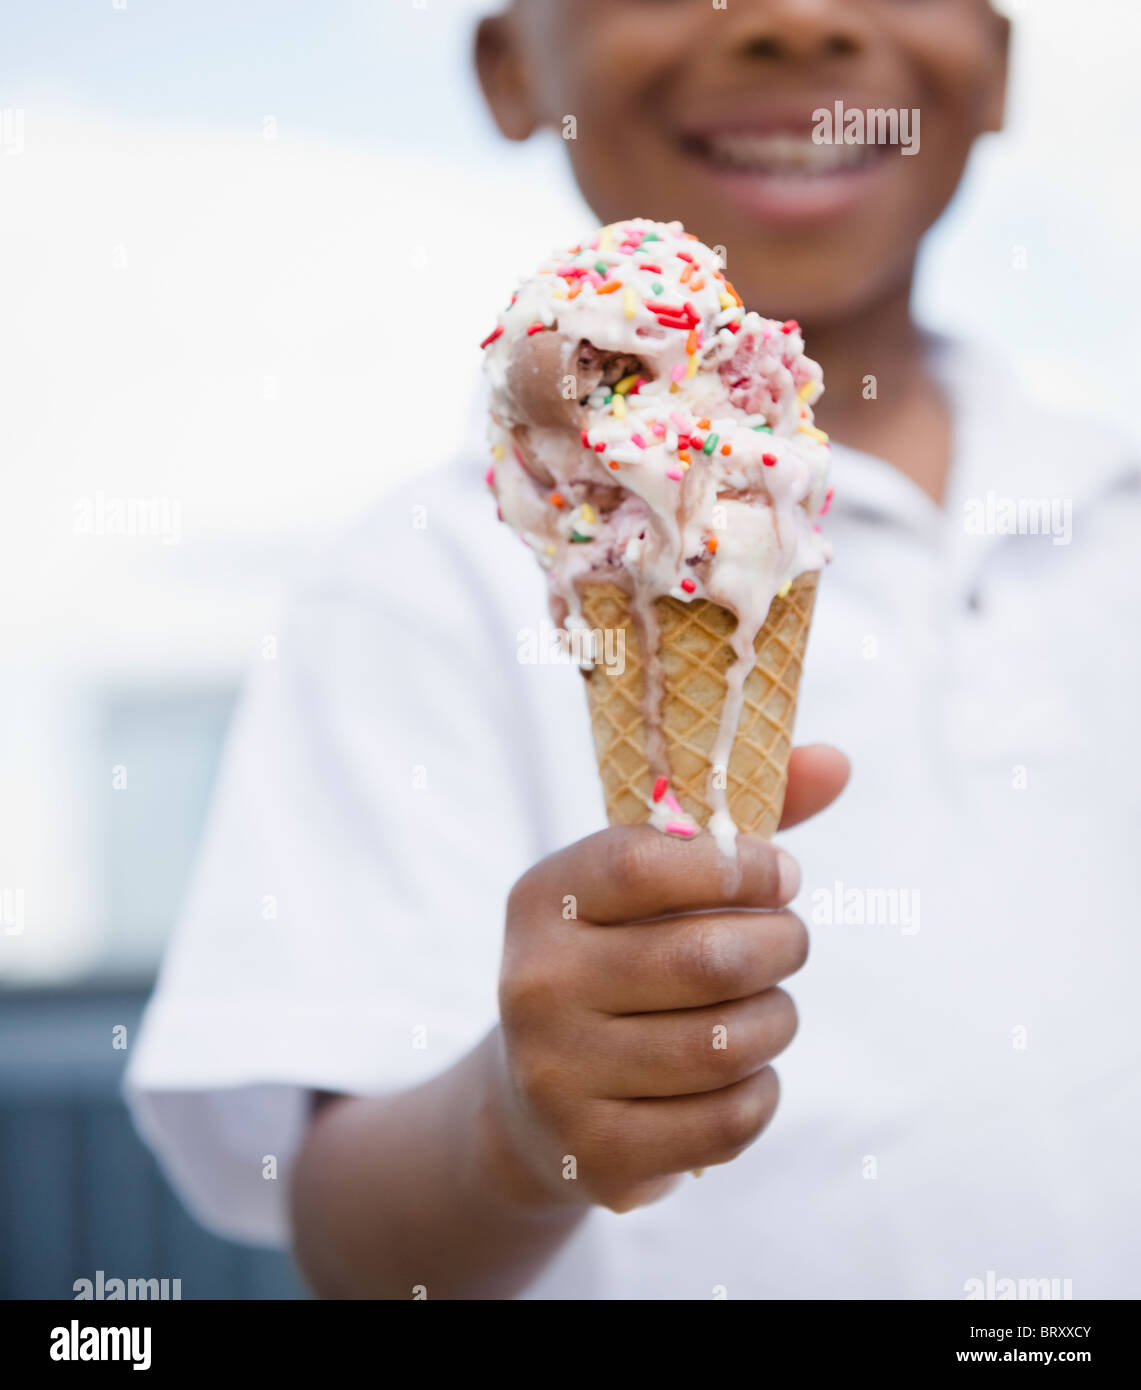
696 653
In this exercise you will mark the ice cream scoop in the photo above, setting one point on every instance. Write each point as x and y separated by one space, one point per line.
651 434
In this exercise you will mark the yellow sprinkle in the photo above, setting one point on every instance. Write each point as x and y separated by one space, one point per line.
726 301
624 385
588 513
497 452
550 549
784 588
605 239
818 435
618 406
684 466
560 293
691 370
629 302
806 390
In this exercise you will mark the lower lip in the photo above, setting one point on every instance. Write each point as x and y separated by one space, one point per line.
784 200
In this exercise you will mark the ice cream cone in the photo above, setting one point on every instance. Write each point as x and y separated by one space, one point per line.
696 652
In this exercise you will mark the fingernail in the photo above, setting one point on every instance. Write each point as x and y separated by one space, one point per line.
789 871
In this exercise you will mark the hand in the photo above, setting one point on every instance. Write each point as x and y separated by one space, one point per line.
640 1006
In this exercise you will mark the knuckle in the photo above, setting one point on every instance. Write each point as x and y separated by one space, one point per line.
783 1021
634 859
526 995
713 956
797 942
742 1116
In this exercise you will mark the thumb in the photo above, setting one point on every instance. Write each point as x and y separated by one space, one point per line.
817 774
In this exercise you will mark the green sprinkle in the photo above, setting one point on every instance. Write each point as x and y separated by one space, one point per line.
768 429
657 287
711 443
601 267
651 236
576 537
608 399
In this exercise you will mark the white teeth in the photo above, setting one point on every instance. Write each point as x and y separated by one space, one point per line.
783 153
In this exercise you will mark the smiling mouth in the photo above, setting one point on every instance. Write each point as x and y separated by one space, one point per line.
780 155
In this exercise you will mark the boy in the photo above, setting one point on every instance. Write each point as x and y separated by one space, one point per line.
963 1095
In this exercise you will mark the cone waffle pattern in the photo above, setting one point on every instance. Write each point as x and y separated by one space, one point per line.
696 653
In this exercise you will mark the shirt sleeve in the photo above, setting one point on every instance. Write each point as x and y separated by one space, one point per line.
375 804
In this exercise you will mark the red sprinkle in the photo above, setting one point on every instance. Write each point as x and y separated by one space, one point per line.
647 266
600 448
491 337
769 460
789 326
688 585
733 327
536 328
489 478
684 256
660 788
585 440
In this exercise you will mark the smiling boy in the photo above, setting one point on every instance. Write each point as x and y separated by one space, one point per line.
962 1096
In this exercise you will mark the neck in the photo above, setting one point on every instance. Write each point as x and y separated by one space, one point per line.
881 397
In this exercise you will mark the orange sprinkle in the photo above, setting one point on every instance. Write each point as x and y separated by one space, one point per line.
686 273
557 499
683 455
609 287
614 465
726 449
691 342
704 424
711 545
574 294
689 236
732 293
696 285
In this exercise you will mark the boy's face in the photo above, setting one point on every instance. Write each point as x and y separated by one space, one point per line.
684 110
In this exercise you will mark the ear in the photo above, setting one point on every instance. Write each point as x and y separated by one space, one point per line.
501 70
994 114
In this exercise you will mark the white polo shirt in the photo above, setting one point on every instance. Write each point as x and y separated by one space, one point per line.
964 1093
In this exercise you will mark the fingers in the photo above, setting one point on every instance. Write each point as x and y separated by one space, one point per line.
635 1140
692 1050
631 873
817 774
685 962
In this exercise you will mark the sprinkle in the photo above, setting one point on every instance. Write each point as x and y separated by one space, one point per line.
627 455
695 285
588 513
605 239
711 545
550 549
602 268
726 449
735 296
806 390
600 448
673 803
827 502
609 287
725 301
680 421
683 456
659 429
491 337
678 373
672 441
711 443
676 311
614 465
619 407
790 326
576 537
594 278
557 499
675 827
535 328
658 287
769 460
585 440
489 478
497 452
638 439
675 474
765 429
574 294
685 440
660 788
691 312
684 256
732 327
687 273
814 433
782 592
691 370
627 382
704 424
689 586
657 270
691 342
